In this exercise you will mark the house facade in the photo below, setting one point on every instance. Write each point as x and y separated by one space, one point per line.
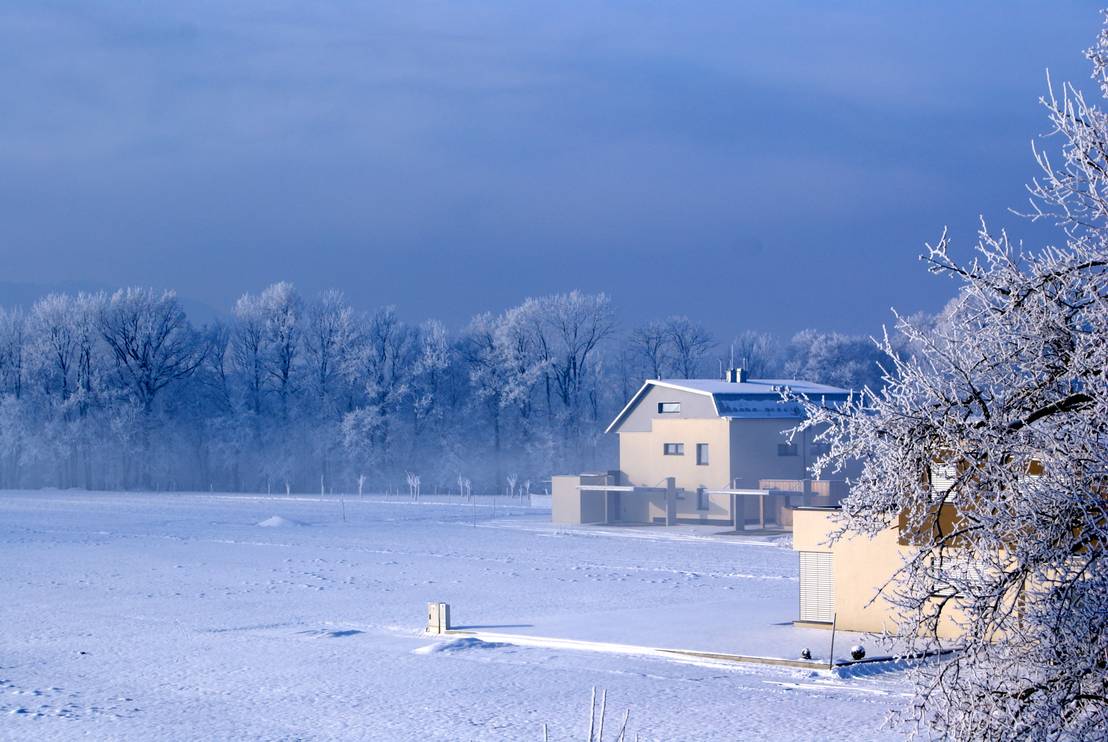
705 451
841 582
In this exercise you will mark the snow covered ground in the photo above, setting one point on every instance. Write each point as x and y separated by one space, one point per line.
198 616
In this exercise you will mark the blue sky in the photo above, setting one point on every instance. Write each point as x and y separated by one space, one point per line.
756 165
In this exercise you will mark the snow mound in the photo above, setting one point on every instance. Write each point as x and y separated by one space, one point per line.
460 645
276 521
877 666
332 633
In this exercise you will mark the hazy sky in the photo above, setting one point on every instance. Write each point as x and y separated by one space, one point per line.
756 165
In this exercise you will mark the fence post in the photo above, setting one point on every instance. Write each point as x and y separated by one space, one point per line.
671 501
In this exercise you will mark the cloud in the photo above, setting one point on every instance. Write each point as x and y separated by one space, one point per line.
216 146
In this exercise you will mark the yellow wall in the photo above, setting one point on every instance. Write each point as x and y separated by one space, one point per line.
860 567
812 530
642 462
570 505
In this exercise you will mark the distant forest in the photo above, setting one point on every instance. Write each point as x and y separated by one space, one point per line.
296 394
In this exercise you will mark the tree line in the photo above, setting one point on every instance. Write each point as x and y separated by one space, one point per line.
122 391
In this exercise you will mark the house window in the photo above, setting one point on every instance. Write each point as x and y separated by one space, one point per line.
817 588
701 498
669 407
943 476
702 454
786 449
673 449
819 449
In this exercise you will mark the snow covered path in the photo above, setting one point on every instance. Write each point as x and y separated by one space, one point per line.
168 616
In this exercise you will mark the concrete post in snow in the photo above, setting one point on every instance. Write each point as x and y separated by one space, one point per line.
438 618
671 501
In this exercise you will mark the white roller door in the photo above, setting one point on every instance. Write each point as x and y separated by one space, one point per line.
817 594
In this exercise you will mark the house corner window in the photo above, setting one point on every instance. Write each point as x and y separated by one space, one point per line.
702 454
669 407
786 449
673 449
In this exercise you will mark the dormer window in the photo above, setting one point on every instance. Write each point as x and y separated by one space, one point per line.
669 407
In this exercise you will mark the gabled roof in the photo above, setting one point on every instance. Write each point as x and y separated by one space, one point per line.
753 398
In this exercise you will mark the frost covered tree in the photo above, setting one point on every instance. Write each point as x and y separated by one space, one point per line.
649 345
533 377
268 348
151 341
756 352
65 358
227 425
849 361
53 352
521 349
13 347
152 345
1008 393
569 333
433 356
506 364
487 377
675 346
248 349
689 343
329 335
283 311
379 369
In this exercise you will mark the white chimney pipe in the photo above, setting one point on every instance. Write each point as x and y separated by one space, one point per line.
736 375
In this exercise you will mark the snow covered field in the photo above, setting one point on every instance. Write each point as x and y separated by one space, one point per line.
169 616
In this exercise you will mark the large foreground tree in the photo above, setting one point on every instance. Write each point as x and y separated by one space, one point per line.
1008 394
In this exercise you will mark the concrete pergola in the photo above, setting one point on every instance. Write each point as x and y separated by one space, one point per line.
670 492
735 494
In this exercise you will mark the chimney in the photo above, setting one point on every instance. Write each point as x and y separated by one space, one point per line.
736 375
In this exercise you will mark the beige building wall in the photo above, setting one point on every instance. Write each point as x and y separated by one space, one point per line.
754 454
693 406
643 462
640 507
571 505
860 567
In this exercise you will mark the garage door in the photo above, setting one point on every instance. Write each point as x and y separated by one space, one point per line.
817 595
